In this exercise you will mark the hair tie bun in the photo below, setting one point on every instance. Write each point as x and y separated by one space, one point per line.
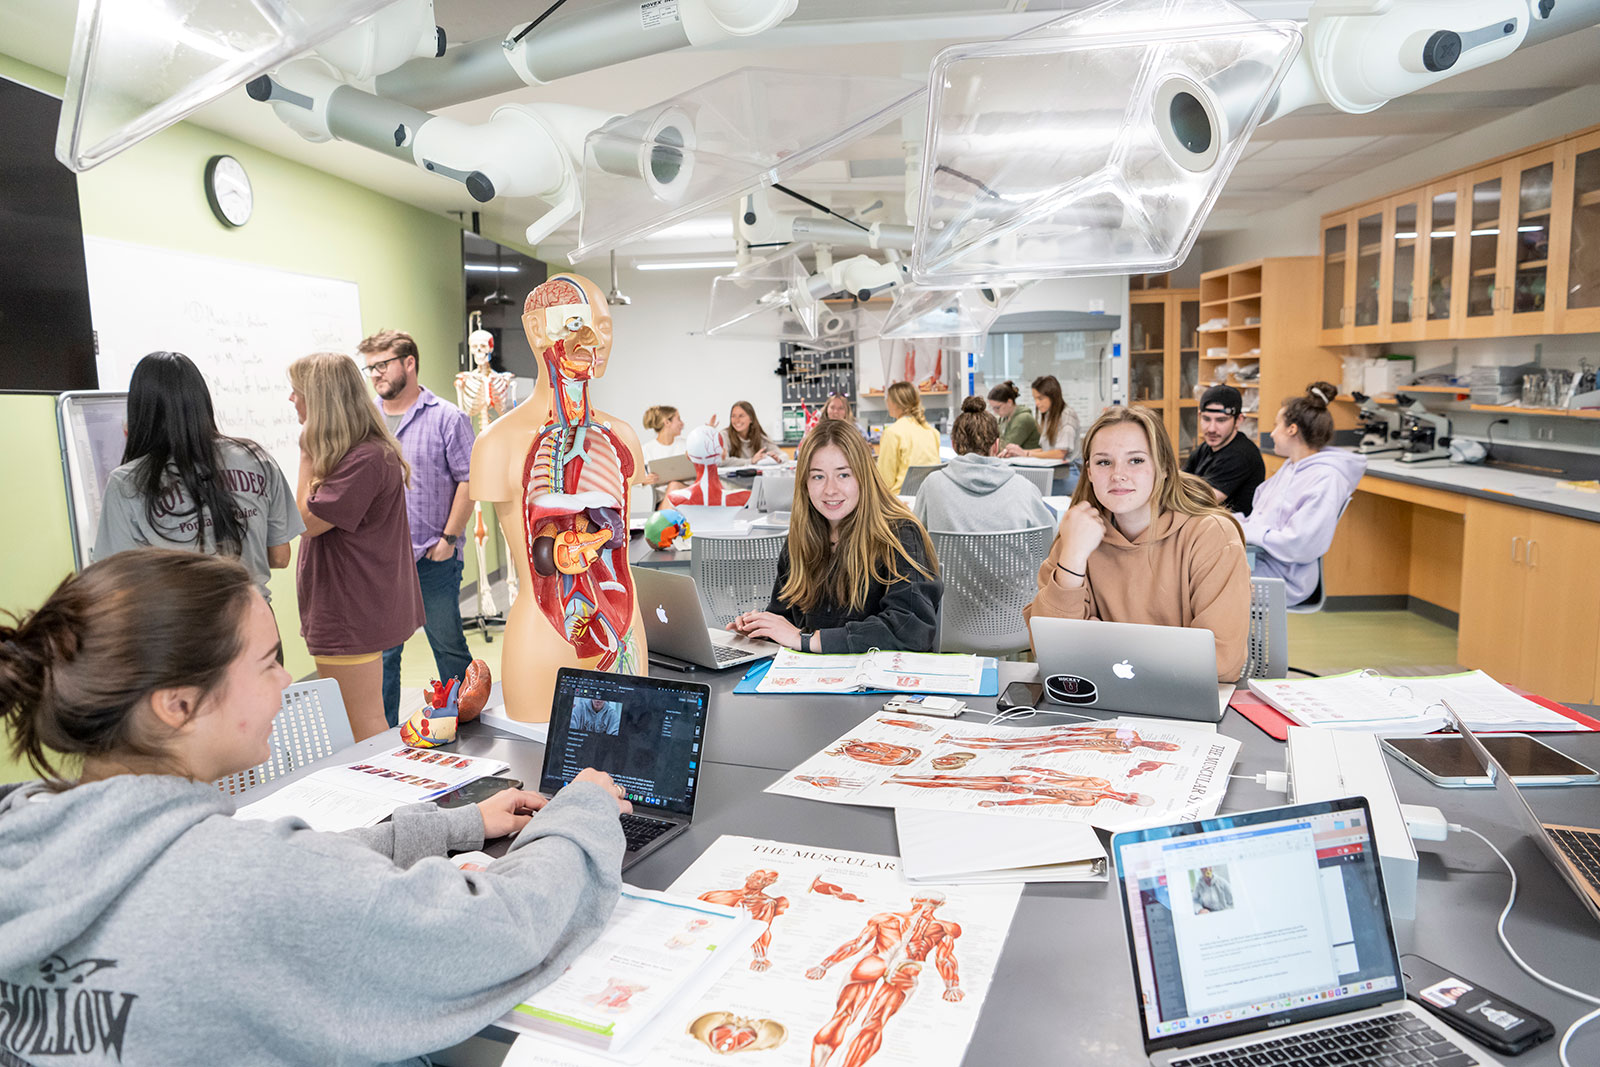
1319 394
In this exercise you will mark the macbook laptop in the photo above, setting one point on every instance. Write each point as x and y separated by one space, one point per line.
675 468
675 624
1575 850
1131 669
647 733
1264 937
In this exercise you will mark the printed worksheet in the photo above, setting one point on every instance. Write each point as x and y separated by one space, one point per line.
853 964
1114 774
363 792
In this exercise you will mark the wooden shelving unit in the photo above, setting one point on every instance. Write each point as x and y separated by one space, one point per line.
1164 367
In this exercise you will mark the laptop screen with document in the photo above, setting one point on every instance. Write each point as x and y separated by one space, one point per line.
647 733
1242 923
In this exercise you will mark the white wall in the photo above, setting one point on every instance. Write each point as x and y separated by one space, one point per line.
1295 230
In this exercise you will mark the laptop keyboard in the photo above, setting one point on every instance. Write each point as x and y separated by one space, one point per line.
1385 1041
725 654
640 831
1582 850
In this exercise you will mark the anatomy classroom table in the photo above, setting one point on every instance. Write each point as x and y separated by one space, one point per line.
1063 989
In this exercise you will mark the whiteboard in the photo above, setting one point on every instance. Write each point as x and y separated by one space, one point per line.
242 325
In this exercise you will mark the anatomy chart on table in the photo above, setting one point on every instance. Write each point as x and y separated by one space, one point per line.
1112 774
854 966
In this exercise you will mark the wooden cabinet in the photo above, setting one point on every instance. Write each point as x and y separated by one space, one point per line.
1575 246
1164 357
1508 248
1528 593
1270 330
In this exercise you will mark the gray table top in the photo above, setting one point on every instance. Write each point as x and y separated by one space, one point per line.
1063 991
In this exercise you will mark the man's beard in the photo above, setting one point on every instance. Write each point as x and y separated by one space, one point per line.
388 390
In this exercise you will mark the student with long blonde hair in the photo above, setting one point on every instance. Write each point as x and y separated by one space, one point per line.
1144 542
908 441
860 572
357 582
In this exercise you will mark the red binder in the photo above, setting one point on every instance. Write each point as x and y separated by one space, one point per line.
1275 724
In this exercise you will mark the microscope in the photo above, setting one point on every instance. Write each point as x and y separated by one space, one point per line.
1380 429
1423 434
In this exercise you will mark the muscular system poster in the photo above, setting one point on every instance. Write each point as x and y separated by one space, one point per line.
1113 774
854 966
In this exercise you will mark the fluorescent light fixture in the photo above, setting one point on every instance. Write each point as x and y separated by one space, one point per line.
1486 233
491 268
685 264
1529 229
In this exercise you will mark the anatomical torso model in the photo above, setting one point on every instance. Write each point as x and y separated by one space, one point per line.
557 470
704 449
484 394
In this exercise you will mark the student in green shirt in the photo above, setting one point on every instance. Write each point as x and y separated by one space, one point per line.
1017 425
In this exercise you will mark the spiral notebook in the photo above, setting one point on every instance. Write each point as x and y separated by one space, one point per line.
1367 700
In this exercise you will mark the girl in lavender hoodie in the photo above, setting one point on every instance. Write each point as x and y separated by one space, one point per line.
1296 510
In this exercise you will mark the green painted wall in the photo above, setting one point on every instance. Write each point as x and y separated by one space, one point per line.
406 261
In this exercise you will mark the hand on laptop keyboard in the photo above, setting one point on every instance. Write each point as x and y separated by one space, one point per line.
603 780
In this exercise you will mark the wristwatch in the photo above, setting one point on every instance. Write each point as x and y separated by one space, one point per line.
805 640
449 539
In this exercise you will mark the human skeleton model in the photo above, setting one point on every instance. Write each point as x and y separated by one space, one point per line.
762 908
1068 739
880 752
557 470
703 446
484 393
1036 785
898 945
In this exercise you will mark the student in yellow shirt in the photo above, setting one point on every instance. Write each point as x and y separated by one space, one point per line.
908 441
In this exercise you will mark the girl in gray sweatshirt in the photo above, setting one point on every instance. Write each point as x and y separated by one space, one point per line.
140 923
975 492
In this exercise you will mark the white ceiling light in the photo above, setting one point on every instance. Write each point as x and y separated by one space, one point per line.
491 268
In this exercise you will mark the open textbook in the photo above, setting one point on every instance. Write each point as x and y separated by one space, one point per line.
365 791
898 672
656 951
853 964
1113 774
1367 700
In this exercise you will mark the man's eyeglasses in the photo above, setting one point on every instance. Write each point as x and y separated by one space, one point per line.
377 368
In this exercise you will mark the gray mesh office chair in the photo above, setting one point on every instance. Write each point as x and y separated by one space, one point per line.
915 476
734 573
312 724
988 579
1269 631
1039 476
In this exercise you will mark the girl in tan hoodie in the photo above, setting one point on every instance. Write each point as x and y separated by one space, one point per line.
1145 543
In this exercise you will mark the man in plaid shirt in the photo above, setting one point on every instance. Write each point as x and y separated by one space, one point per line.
436 438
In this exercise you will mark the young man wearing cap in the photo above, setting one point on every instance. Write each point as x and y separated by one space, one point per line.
1226 458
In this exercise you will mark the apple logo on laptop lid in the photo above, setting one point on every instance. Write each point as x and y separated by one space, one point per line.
661 613
1123 669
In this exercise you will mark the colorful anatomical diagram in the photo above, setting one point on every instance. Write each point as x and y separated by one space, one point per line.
703 446
689 934
753 898
725 1033
934 383
880 752
907 724
953 761
557 469
1068 739
1032 785
828 889
615 996
898 945
828 781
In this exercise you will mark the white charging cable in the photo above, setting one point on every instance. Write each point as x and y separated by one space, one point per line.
1022 711
1500 928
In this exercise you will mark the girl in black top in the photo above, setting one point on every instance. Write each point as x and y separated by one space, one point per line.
859 572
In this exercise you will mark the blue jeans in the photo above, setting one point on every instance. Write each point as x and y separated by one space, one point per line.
441 601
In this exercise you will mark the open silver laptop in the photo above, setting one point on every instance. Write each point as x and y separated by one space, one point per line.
1575 850
675 624
1128 668
647 733
1264 937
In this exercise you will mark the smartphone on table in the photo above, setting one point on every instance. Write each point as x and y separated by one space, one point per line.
1446 760
477 791
1020 695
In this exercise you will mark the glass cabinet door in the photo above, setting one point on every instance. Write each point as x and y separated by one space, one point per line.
1440 250
1531 242
1483 251
1581 289
1147 352
1333 273
1369 260
1403 286
1188 348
